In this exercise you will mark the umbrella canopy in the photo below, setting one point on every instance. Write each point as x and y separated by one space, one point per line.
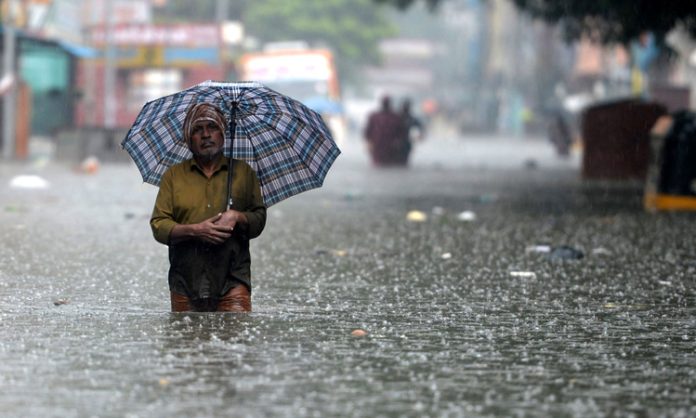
286 143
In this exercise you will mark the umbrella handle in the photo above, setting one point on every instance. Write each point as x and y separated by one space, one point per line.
233 130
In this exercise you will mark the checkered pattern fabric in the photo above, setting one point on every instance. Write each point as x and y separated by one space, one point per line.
286 143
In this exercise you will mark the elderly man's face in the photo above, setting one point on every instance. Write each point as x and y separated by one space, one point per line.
207 139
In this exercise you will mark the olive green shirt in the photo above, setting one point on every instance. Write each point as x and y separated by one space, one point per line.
187 196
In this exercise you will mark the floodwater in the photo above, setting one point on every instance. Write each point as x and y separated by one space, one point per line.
466 315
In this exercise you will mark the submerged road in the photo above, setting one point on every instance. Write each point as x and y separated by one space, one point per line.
449 266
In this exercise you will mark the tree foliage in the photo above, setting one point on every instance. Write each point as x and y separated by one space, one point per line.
351 28
607 21
614 21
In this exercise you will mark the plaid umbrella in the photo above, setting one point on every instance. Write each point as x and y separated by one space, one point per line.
286 143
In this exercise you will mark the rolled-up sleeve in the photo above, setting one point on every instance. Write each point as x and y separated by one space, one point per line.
256 212
162 220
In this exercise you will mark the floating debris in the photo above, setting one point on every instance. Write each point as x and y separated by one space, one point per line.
416 216
538 249
523 274
28 181
466 216
61 302
163 382
337 253
565 252
446 256
89 165
358 333
600 251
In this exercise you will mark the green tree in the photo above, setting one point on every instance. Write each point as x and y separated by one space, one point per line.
608 21
614 21
351 28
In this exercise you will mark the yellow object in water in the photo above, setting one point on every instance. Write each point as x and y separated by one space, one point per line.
416 216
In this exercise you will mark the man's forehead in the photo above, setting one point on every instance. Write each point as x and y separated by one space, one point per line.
204 122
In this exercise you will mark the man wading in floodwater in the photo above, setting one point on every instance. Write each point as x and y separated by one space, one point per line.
210 264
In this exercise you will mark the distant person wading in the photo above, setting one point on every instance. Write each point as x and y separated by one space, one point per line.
386 134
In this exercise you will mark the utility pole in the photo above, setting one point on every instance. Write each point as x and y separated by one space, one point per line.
9 99
109 69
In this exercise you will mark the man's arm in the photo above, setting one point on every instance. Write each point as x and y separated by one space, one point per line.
167 231
162 219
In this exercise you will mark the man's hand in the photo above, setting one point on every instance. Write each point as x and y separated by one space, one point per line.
207 231
212 231
230 219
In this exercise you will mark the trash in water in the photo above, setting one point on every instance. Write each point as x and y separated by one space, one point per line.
61 302
163 382
358 333
600 251
467 216
446 256
523 274
28 181
565 252
538 249
416 216
337 253
90 165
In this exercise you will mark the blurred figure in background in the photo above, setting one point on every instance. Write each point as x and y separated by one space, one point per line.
387 136
414 127
559 131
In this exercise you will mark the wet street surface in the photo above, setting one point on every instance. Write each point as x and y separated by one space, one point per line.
449 267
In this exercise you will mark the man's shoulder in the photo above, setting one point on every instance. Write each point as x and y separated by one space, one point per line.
179 168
